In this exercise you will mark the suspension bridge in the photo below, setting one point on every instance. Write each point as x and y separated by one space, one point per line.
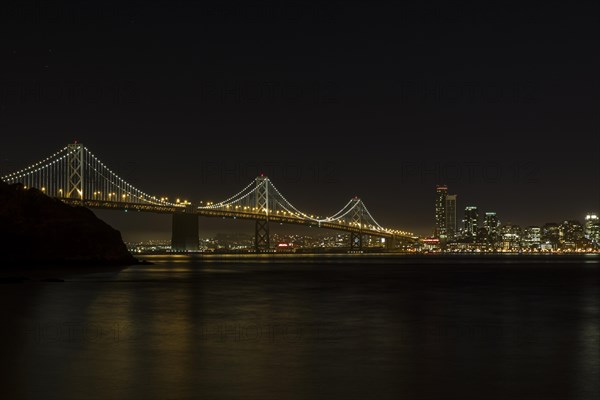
77 177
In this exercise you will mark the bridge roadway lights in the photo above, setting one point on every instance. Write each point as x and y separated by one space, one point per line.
185 234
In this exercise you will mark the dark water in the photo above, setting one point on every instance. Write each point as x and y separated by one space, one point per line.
185 329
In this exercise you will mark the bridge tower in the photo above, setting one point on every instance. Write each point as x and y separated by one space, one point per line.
356 218
75 171
262 241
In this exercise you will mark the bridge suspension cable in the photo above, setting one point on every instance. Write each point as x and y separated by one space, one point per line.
45 174
74 172
354 214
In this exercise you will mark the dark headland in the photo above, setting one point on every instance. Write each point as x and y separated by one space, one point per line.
37 231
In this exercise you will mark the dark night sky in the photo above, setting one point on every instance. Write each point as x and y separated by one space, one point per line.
331 100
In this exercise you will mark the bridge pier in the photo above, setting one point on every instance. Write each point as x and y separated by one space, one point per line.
185 234
262 241
390 243
356 241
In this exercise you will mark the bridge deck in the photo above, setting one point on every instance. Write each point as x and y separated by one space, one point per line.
216 213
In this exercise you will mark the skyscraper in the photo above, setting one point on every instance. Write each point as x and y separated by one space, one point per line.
532 238
511 237
470 222
491 225
571 231
592 228
551 235
451 215
441 192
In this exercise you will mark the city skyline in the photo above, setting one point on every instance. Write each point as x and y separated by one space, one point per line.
427 227
445 227
484 230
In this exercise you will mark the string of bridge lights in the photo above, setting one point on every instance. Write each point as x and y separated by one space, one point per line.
143 194
291 205
228 201
347 211
335 216
21 173
286 205
238 197
51 161
370 216
140 195
47 169
282 204
43 174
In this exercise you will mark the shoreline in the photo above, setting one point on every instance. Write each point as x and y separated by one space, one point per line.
364 254
357 257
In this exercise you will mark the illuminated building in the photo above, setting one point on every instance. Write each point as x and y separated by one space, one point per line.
532 238
592 228
441 193
570 232
451 216
491 225
511 237
470 222
431 244
550 236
